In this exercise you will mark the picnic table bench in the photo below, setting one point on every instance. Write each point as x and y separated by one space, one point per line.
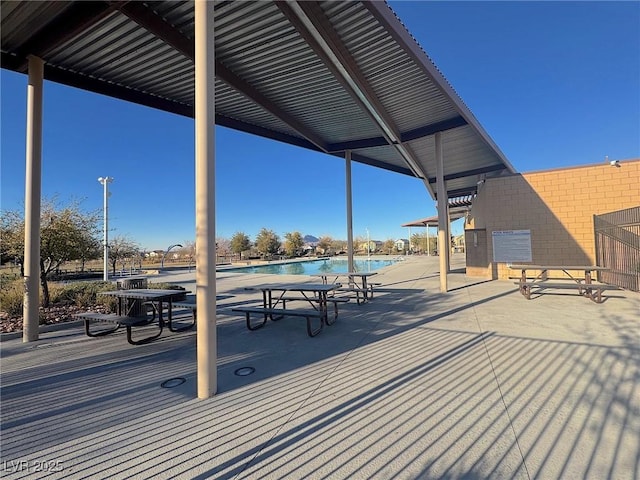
121 321
593 291
362 287
135 314
188 303
584 284
334 300
277 313
278 294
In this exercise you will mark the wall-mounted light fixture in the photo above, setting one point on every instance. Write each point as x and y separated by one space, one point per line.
613 163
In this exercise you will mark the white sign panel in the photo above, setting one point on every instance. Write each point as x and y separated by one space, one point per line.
511 246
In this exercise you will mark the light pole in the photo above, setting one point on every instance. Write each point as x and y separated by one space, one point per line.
368 246
105 181
167 251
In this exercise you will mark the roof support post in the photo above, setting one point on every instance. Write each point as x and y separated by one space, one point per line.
449 239
347 158
443 215
205 199
32 197
428 242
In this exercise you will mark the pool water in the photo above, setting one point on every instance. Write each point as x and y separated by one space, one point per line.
325 265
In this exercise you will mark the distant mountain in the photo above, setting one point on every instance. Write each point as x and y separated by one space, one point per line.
310 239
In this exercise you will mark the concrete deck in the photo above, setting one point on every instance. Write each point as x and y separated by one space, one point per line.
475 383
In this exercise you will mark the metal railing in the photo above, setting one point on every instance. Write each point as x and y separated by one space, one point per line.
618 247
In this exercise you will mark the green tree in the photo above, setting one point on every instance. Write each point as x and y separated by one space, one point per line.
267 242
293 243
66 234
122 248
12 240
420 243
89 248
239 243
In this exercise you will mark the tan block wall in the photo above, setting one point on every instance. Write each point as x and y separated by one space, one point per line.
557 206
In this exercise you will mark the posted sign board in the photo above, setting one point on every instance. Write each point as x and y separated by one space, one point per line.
511 246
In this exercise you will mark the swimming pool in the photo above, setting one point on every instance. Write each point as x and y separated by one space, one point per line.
324 265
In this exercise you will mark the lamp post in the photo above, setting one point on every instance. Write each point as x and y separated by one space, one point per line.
368 246
167 251
105 181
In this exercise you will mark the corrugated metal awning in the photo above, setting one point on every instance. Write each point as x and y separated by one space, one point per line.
328 76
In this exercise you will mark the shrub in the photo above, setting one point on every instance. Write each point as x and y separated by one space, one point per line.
12 297
83 294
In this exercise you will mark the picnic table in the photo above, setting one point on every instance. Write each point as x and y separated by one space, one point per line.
275 295
583 281
358 283
128 313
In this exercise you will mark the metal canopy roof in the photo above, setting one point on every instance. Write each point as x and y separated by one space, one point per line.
458 208
328 76
432 221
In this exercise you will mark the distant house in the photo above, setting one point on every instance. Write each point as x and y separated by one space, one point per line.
373 246
156 253
402 245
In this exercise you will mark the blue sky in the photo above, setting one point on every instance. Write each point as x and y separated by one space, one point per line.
554 84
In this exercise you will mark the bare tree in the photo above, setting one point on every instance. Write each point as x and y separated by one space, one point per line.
188 251
324 243
223 247
122 248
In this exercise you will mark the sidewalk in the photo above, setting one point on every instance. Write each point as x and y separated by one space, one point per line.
475 383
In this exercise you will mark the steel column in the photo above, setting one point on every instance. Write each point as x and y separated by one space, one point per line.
32 198
205 199
443 203
347 157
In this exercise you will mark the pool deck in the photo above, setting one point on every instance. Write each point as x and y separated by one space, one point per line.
475 383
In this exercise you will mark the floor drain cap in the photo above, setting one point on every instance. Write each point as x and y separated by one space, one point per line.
173 382
244 371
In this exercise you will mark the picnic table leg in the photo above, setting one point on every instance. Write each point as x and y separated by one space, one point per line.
523 280
160 319
99 333
144 340
310 331
179 329
267 302
257 326
322 306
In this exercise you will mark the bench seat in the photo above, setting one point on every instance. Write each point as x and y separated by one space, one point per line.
361 293
334 300
189 303
593 291
277 314
127 322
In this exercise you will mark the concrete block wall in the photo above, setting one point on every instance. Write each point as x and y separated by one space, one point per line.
556 205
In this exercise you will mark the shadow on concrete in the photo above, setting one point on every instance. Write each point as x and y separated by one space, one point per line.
430 402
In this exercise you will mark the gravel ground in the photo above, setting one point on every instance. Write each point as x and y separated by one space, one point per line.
48 316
